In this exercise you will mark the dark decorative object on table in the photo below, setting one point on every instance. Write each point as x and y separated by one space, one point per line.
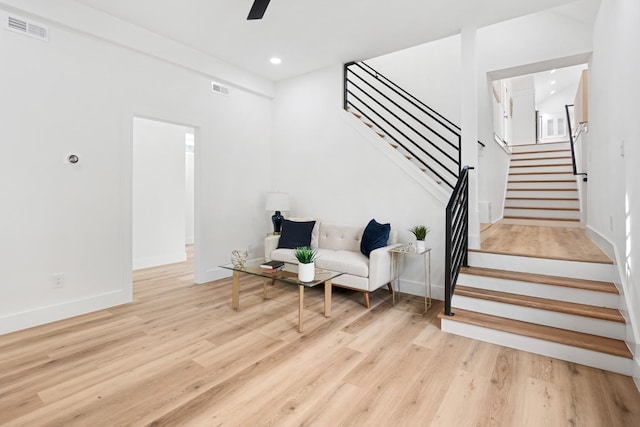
277 202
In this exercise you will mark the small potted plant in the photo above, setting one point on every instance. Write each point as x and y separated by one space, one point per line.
306 266
420 231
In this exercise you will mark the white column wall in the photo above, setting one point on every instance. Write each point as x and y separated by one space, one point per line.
614 132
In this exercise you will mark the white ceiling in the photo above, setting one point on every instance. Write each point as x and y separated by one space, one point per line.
310 34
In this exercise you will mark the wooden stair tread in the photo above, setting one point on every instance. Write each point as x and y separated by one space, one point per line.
541 165
565 307
562 336
537 218
540 158
541 173
542 198
523 181
567 282
542 189
542 208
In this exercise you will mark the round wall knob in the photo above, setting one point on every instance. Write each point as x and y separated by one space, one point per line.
73 159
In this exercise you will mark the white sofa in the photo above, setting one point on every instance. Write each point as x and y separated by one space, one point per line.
338 249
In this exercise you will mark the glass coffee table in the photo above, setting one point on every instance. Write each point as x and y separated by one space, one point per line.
253 267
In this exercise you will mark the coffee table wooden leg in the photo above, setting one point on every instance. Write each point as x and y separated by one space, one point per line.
327 298
235 291
301 306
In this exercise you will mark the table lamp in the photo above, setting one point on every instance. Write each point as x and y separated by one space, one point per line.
277 202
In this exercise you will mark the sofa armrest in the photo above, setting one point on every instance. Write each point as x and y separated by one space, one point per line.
380 266
270 244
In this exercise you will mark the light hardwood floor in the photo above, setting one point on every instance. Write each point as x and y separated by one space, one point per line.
544 242
179 356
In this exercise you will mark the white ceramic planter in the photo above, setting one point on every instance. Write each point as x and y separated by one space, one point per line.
421 245
306 272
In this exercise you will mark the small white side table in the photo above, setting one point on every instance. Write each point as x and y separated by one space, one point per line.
397 255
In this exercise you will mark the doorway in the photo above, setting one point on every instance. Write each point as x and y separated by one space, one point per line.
163 196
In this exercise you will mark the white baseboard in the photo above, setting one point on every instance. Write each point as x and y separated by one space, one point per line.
39 316
139 263
417 288
213 274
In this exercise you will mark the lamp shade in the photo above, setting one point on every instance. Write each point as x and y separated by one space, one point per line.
277 202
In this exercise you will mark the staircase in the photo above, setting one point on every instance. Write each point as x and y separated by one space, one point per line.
541 188
570 312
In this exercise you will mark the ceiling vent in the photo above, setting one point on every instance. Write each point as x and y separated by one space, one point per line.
28 28
219 89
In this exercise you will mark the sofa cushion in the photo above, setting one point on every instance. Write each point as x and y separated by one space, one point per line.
340 237
375 236
347 262
315 233
288 255
295 234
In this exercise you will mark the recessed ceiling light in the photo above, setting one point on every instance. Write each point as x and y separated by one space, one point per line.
552 92
553 82
275 61
552 71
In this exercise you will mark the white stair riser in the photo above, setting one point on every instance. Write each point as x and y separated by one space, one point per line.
550 160
587 325
551 267
540 185
542 203
550 194
541 147
551 214
541 176
582 356
541 168
541 290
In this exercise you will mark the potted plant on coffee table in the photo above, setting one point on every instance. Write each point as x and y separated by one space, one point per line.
306 265
420 231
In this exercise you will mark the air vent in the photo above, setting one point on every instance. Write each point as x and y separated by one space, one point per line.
219 89
28 28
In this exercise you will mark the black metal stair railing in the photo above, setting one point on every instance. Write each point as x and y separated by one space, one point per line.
572 143
456 236
421 132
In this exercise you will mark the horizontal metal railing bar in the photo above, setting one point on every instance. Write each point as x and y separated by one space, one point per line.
417 103
405 111
400 143
401 132
405 136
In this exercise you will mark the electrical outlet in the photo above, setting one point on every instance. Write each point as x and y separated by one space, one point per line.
58 280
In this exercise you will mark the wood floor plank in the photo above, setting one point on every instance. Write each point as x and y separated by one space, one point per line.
179 355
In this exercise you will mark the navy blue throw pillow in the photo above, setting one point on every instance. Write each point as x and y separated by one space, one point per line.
375 236
295 234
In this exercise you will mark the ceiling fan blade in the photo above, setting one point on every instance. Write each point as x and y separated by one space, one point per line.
258 9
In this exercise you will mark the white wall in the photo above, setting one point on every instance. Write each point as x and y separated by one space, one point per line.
189 182
159 193
524 111
79 94
430 71
332 173
613 191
